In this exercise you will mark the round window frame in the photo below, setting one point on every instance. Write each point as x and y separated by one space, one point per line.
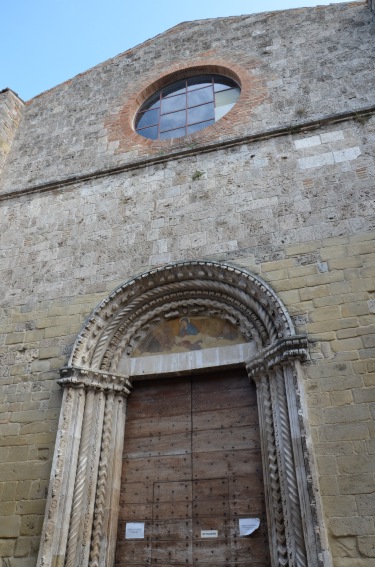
176 78
176 75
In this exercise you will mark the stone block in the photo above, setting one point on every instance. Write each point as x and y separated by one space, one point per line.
344 547
351 526
10 526
7 547
366 503
31 525
341 398
356 483
366 546
314 292
328 485
339 506
343 432
356 464
364 395
347 414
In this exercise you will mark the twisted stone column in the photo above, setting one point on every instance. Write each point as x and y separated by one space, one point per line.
289 505
82 505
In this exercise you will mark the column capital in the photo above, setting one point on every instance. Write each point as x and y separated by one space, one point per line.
75 376
279 353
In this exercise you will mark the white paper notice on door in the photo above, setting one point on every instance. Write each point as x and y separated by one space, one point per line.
248 525
135 530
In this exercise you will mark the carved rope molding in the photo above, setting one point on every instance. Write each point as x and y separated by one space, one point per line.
290 514
78 483
82 507
142 291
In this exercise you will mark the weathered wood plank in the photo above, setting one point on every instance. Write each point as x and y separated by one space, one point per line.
226 463
212 551
171 510
173 444
136 492
138 512
249 507
132 551
226 439
160 425
157 469
173 491
243 416
171 531
169 553
213 507
243 487
210 488
223 399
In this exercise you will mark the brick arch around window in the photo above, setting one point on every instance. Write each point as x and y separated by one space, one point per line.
83 502
254 92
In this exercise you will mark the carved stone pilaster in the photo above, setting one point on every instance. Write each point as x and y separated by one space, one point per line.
109 480
59 502
288 499
90 434
271 471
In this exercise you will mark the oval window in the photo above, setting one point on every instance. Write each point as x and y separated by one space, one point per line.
186 106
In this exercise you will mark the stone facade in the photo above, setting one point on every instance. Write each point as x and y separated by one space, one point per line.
282 187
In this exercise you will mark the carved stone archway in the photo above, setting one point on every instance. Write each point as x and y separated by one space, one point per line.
82 506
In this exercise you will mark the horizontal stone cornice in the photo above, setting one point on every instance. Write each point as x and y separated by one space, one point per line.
297 127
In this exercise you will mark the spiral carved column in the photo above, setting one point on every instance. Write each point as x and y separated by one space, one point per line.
289 504
85 477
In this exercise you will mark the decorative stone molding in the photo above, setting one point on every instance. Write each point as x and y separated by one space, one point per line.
290 508
94 380
280 352
158 291
82 508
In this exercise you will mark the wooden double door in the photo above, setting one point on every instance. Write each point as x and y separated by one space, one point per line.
192 464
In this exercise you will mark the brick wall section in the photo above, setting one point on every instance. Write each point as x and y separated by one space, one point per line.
11 108
298 56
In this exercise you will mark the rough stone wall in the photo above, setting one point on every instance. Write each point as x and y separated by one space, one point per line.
299 61
10 115
297 208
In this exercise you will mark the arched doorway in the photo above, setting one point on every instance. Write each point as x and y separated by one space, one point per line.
83 504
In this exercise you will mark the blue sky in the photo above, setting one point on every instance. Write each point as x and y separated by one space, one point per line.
45 42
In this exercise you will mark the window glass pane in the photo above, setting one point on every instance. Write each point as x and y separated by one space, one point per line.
221 111
172 121
186 106
173 133
200 96
201 113
199 126
226 97
148 118
153 102
151 133
199 82
176 88
223 83
173 103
